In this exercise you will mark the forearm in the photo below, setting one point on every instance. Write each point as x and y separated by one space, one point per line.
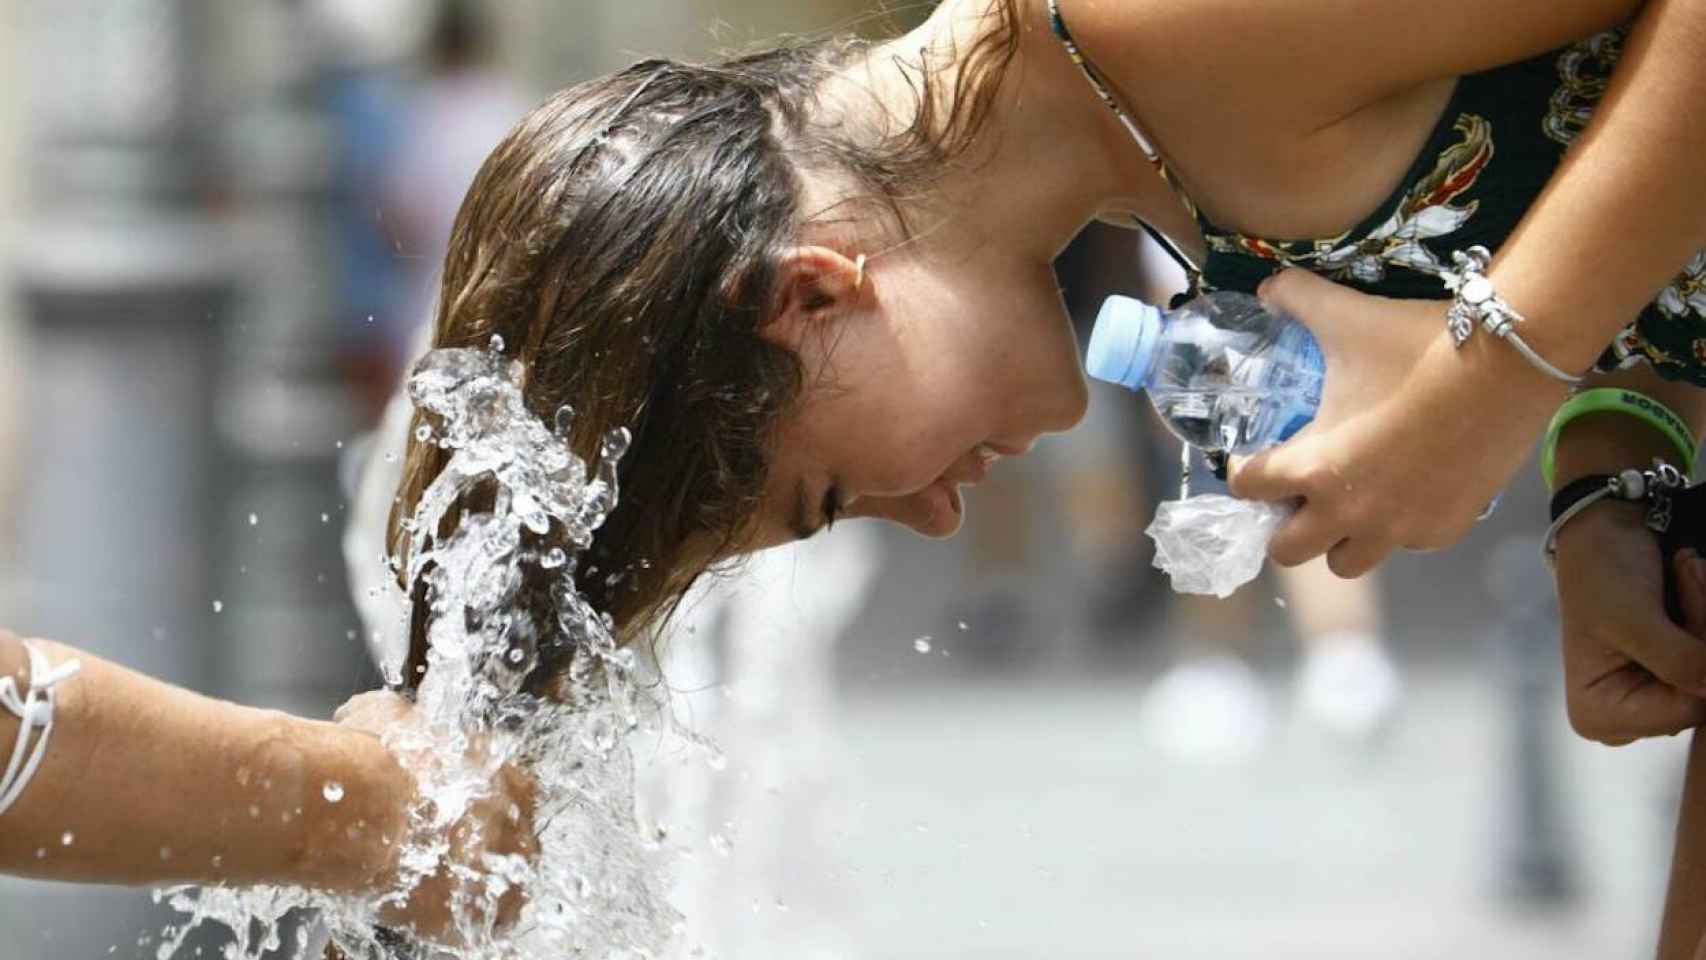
143 782
1685 918
1624 212
1609 442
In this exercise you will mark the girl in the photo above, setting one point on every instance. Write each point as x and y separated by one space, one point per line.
815 282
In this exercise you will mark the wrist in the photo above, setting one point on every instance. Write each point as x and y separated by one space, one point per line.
1570 333
1606 518
346 807
1487 378
1606 443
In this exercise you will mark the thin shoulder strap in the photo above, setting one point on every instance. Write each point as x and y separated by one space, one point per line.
1150 153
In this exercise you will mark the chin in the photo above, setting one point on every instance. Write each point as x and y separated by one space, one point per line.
947 510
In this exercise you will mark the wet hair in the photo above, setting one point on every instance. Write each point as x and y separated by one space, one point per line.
624 240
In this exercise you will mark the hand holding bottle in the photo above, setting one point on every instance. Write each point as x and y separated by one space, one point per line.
1413 439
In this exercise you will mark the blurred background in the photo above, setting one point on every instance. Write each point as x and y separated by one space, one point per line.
220 220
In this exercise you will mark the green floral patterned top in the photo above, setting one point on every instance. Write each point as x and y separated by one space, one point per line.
1496 144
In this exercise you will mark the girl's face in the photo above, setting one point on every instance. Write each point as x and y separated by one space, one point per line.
918 379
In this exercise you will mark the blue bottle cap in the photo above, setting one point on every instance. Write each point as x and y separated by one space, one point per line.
1123 342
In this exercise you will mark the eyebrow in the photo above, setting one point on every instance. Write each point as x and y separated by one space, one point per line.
801 521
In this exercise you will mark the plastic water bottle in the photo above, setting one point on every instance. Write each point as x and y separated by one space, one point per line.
1225 373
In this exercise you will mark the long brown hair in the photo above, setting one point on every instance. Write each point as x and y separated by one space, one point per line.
623 240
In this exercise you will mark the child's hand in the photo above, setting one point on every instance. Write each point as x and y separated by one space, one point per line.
451 905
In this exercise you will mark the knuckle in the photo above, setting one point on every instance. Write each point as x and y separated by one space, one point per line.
1287 553
1342 568
1588 721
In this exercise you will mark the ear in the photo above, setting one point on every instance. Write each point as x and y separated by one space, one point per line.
818 286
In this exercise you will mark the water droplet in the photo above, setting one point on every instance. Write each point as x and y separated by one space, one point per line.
243 775
922 645
564 421
1280 602
370 318
720 844
254 811
165 853
217 861
41 853
496 344
780 906
333 791
339 445
717 760
516 655
962 625
390 458
423 433
218 606
615 443
325 518
553 558
67 838
254 520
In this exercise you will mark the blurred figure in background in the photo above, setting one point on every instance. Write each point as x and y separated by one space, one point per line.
362 94
407 150
462 107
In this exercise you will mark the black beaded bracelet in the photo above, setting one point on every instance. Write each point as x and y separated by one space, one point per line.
1653 487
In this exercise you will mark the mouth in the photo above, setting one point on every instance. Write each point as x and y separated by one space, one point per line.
973 467
947 503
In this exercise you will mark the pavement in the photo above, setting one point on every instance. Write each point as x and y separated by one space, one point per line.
1008 821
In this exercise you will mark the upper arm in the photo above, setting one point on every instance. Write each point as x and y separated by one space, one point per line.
1338 54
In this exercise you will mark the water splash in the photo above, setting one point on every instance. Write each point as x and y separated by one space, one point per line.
594 890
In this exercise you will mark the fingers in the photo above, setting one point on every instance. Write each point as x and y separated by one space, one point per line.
1264 476
1299 293
1670 654
372 712
1351 559
1629 704
1303 538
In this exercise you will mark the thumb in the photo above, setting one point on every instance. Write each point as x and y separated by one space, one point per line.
1323 306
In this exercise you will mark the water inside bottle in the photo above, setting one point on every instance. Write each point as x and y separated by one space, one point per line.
1221 420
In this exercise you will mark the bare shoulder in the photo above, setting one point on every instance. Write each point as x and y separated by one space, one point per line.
1330 55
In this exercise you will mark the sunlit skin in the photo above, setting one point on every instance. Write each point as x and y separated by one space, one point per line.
918 383
952 349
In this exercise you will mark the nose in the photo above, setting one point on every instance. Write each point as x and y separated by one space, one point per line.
1068 407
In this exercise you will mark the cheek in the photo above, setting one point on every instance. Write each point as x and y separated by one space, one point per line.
1035 381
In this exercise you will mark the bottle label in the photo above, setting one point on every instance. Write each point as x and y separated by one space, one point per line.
1193 405
1296 423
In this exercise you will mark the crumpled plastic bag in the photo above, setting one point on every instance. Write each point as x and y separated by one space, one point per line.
1214 544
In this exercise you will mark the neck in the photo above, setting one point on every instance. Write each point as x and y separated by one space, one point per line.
1050 157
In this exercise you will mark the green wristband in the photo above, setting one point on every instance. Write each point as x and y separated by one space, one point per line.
1618 400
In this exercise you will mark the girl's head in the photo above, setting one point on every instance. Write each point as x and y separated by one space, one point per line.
677 249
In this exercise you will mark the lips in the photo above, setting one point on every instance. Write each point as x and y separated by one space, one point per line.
974 466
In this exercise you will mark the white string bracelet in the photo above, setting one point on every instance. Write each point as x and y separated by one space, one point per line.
1475 303
35 709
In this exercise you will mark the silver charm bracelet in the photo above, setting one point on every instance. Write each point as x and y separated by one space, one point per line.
1475 303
